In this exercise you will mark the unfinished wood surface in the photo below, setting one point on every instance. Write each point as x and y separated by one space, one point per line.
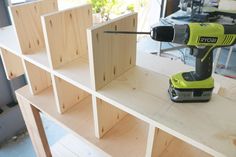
38 78
71 144
105 116
9 41
66 94
110 55
12 64
65 34
35 127
162 144
143 93
128 138
27 22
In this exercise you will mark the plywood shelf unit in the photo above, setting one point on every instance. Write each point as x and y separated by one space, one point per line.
88 82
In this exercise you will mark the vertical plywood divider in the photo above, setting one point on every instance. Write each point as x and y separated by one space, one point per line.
26 19
66 94
110 55
105 116
12 64
65 34
162 144
38 78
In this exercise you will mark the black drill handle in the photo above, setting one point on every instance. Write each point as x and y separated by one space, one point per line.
203 67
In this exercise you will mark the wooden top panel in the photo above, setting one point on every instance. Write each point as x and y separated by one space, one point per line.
65 34
208 126
110 55
26 20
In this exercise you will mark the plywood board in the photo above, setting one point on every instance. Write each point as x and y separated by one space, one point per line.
127 138
66 94
12 64
65 34
105 116
110 55
163 144
27 22
38 78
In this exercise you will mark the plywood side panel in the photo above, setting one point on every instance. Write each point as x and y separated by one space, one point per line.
35 127
27 22
162 144
65 34
12 64
110 55
105 116
66 94
38 78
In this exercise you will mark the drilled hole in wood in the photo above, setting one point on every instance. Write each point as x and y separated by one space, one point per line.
104 77
50 22
35 88
115 27
60 59
114 70
63 106
134 88
35 8
118 116
130 61
88 12
133 22
70 16
97 37
77 52
29 45
11 74
38 41
102 129
78 97
17 13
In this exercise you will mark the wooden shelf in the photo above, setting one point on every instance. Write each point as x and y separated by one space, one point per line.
127 138
136 93
9 41
77 73
39 59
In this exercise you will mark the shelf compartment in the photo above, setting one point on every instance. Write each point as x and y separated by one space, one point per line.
65 34
38 78
162 144
27 23
12 64
143 93
67 95
127 138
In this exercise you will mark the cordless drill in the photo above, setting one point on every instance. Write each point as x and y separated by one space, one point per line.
202 39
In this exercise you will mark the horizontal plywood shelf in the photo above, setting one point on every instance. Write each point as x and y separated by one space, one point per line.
143 93
126 138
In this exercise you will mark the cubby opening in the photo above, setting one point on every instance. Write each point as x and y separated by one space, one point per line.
162 144
67 95
38 78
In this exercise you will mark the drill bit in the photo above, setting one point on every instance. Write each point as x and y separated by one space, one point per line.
126 32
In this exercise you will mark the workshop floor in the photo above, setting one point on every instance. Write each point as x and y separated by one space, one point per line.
20 146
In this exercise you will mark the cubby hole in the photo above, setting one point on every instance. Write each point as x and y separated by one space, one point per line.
120 133
38 78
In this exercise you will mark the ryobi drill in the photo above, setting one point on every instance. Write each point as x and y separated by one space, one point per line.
201 38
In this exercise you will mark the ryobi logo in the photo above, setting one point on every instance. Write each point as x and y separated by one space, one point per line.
208 39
